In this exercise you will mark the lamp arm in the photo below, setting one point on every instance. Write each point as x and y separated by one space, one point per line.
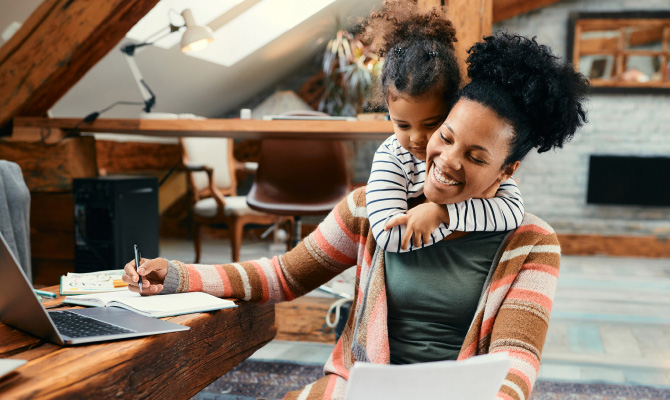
148 96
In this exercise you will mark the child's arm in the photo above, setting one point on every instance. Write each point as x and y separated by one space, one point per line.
421 225
503 212
388 189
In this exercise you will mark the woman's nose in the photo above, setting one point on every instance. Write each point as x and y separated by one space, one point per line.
450 158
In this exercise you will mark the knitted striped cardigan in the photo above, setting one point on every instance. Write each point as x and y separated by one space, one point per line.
512 315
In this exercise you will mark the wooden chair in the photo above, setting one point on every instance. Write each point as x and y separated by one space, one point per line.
213 187
299 177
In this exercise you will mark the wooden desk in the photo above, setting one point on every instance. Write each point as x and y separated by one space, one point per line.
232 128
168 366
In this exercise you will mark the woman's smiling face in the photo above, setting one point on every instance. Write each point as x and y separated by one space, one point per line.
465 157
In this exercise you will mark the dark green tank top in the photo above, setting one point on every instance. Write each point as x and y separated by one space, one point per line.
432 295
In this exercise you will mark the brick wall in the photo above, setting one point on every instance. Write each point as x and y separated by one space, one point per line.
554 184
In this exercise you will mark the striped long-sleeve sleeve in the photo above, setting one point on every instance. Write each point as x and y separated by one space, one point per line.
501 213
396 176
332 248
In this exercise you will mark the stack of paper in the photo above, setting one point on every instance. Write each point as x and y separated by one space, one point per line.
478 378
92 282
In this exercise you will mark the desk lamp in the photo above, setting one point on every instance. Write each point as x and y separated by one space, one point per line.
195 38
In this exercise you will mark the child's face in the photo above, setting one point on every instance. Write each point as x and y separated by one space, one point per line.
415 119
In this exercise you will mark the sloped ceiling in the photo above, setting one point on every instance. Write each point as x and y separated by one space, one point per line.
184 84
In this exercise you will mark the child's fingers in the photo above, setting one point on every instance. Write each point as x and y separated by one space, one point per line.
417 239
406 237
397 220
426 238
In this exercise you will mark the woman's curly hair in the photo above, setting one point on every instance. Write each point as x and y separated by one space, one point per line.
524 83
418 50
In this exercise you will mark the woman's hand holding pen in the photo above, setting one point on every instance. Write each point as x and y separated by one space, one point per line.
153 273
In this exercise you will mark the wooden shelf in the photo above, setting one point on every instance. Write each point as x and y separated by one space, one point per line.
231 128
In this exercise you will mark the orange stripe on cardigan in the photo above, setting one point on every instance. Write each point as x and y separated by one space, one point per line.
377 334
366 254
328 393
521 355
531 296
505 396
337 357
331 250
288 294
523 377
264 281
344 228
194 279
487 326
225 281
532 228
468 352
542 267
505 281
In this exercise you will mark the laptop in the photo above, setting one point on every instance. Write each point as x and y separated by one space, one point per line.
20 308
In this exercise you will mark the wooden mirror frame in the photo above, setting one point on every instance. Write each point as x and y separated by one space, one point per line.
620 21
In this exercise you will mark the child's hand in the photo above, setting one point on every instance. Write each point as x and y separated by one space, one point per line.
420 222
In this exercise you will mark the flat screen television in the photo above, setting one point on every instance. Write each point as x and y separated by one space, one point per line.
629 180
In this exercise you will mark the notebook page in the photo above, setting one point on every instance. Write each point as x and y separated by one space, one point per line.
173 304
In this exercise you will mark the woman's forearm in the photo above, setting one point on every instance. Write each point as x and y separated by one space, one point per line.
332 248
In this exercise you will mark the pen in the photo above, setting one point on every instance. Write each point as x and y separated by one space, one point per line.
46 294
137 265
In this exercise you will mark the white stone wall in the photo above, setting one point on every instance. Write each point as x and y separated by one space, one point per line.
553 184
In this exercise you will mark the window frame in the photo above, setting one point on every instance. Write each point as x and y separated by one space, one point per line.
662 87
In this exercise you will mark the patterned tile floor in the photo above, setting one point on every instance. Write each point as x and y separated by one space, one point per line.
610 322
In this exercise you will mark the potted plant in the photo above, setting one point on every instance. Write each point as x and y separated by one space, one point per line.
349 69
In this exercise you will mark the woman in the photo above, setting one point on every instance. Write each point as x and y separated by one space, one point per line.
519 98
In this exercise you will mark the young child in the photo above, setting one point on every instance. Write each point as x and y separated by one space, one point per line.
419 81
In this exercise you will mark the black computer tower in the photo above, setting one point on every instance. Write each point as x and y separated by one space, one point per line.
111 214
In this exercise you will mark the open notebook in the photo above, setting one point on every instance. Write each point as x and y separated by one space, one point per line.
157 306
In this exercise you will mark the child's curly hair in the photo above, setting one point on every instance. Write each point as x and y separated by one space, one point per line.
418 50
524 83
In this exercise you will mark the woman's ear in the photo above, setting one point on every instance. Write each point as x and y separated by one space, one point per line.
509 170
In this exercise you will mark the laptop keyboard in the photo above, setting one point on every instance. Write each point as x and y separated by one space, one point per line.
76 325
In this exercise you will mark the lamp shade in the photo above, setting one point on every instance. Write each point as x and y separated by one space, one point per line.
196 37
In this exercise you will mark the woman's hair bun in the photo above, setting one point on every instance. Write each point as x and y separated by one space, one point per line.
547 92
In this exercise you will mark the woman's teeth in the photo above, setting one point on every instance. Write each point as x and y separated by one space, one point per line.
440 177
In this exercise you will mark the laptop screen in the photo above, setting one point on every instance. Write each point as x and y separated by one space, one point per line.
19 306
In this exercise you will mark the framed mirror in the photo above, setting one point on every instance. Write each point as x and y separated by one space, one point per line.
621 52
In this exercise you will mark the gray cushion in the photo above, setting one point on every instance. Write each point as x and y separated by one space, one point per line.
235 205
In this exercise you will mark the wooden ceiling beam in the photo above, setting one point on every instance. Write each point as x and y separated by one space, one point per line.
472 21
505 9
55 47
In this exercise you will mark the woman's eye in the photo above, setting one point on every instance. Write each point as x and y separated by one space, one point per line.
444 139
478 161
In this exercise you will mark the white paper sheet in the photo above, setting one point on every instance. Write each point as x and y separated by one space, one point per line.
478 378
8 365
